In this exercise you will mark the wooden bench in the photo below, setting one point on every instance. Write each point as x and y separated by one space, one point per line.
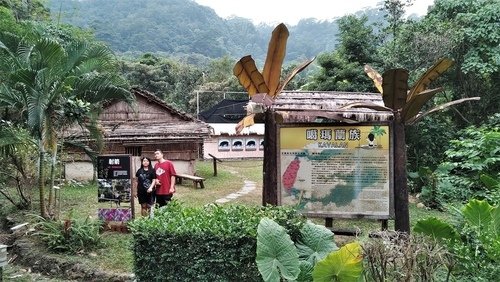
195 179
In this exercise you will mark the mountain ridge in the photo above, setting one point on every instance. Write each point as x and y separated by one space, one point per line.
183 28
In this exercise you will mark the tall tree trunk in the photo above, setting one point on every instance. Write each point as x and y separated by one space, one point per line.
41 178
50 205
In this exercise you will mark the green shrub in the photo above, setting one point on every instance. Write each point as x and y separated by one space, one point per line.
474 240
70 235
315 257
477 152
209 243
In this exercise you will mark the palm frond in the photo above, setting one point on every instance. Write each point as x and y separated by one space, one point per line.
95 131
99 51
75 51
49 54
12 138
96 89
9 98
79 145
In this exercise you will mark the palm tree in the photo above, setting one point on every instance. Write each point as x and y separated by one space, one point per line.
51 86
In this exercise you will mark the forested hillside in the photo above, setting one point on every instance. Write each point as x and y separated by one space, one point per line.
182 27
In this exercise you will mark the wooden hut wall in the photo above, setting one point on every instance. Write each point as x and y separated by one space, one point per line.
173 151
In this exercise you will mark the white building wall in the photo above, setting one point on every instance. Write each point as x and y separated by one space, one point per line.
81 171
211 146
226 144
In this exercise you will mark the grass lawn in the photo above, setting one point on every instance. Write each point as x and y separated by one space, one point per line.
81 202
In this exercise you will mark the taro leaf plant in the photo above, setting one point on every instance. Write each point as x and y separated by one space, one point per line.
474 240
263 88
276 253
344 265
406 104
313 257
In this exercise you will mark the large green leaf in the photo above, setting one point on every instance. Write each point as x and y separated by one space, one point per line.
477 213
306 270
276 252
50 53
2 46
435 228
345 264
495 214
489 181
315 243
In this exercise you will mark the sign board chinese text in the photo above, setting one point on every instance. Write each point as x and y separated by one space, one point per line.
336 171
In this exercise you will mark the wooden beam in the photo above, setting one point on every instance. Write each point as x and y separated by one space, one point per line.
401 212
270 167
215 160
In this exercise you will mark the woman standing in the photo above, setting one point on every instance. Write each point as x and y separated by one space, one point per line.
145 184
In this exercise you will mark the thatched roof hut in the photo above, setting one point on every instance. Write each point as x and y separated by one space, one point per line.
152 124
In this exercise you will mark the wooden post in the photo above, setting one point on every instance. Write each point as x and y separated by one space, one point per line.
215 166
328 222
215 160
402 214
385 224
132 198
270 167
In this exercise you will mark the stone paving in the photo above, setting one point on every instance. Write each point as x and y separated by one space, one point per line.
247 188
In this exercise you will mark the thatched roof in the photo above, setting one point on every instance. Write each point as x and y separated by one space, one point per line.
152 121
309 106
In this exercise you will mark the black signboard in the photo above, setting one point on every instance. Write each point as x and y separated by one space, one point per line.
114 179
113 167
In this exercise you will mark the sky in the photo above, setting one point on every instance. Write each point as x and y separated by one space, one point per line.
291 11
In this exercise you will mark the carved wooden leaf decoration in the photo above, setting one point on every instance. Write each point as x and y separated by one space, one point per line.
439 108
249 76
375 76
395 87
415 104
245 122
294 72
274 60
429 76
367 105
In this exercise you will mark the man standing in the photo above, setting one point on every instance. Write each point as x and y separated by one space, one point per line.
165 179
